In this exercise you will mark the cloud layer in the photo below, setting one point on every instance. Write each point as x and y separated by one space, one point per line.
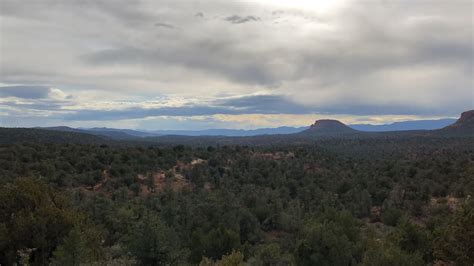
107 60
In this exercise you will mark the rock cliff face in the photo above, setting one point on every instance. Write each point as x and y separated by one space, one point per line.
465 124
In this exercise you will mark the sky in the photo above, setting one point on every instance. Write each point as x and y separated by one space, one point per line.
233 64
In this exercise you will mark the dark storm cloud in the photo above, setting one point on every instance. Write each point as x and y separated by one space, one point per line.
184 111
26 92
236 19
279 104
265 104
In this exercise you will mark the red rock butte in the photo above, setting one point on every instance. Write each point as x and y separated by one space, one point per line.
329 126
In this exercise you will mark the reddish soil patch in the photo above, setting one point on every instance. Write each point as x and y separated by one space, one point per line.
441 263
450 201
105 178
375 212
208 187
175 183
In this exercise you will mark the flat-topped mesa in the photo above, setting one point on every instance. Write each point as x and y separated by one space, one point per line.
329 126
464 123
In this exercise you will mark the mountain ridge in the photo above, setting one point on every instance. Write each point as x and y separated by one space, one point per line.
405 125
321 129
396 126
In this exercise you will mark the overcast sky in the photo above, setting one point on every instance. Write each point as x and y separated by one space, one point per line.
233 64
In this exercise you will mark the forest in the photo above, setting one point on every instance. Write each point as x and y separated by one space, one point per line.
387 201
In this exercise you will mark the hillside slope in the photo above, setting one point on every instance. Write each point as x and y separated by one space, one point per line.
32 135
463 126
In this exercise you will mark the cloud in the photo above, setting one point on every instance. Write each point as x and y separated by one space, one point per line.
139 113
26 92
346 58
68 110
207 56
51 107
164 25
236 19
248 104
264 104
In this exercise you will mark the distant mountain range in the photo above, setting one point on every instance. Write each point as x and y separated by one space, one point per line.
117 134
320 130
232 132
127 132
123 134
406 125
20 135
397 126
